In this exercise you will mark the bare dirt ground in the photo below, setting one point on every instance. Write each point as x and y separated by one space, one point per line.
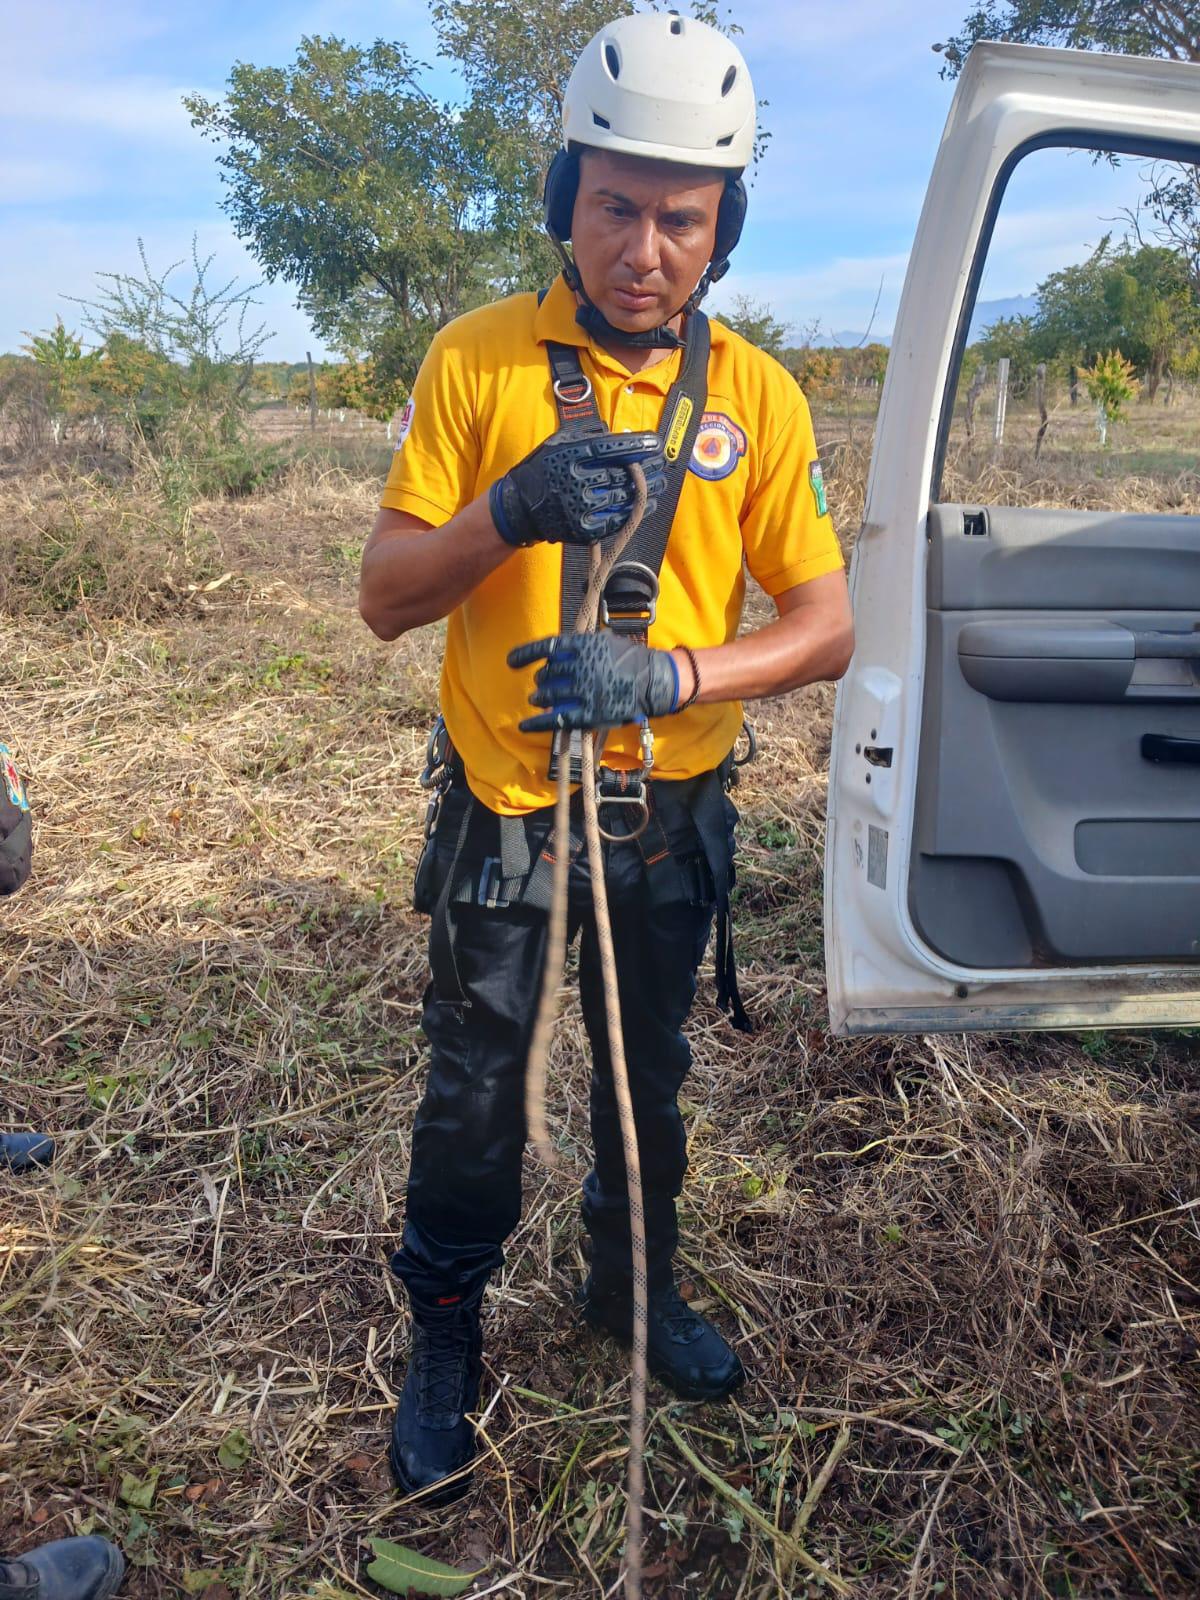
964 1273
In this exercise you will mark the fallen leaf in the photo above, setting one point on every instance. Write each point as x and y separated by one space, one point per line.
407 1572
139 1492
235 1450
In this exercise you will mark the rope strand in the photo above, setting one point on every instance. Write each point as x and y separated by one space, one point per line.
539 1047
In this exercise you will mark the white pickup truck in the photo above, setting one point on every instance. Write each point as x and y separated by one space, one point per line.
1014 802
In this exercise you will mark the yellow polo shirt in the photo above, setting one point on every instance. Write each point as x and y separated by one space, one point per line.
482 401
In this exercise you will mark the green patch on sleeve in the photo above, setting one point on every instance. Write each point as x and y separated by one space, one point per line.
817 479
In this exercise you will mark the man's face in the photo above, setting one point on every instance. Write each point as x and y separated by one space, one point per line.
642 234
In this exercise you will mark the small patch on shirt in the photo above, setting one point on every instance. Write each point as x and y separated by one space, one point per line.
12 780
720 445
816 478
405 424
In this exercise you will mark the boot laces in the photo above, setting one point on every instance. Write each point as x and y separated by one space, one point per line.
668 1306
441 1357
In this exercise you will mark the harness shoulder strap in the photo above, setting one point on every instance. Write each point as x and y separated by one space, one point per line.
680 424
682 411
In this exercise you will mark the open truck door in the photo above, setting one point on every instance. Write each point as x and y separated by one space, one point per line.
1014 798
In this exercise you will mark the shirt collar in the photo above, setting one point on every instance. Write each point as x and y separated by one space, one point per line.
555 319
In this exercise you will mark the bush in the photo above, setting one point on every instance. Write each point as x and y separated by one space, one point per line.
75 543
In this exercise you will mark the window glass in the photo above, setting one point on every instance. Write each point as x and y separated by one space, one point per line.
1080 381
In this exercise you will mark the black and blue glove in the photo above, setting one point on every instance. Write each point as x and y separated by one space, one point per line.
597 680
575 491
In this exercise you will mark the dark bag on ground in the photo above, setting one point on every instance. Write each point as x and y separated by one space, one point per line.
16 828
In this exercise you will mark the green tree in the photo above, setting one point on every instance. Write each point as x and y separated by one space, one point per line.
754 321
1018 339
1111 385
1125 27
187 355
348 179
389 211
67 372
1141 300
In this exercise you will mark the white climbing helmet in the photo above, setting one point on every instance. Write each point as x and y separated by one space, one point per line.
664 87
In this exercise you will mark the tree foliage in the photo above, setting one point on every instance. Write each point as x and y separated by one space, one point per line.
349 180
1125 27
1110 384
1138 299
390 211
754 320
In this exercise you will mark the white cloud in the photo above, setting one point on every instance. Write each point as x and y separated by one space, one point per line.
839 294
141 109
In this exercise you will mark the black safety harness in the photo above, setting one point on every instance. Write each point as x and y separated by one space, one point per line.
522 873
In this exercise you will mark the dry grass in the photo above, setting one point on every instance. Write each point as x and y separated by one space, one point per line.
964 1274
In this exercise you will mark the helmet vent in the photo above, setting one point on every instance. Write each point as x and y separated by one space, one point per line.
612 61
730 80
727 140
676 23
601 122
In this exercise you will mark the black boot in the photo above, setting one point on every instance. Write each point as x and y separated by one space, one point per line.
431 1437
682 1349
21 1151
68 1569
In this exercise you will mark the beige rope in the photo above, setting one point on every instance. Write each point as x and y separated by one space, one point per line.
539 1048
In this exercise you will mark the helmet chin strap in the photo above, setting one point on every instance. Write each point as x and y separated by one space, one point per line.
593 321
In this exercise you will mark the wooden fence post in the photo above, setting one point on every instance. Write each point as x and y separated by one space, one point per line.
973 393
312 392
1042 412
1002 367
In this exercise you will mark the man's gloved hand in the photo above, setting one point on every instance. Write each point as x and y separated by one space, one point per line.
597 680
575 491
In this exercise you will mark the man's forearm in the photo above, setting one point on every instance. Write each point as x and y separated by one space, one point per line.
806 645
413 575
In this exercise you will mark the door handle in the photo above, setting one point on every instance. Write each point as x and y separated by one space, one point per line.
1158 645
1166 747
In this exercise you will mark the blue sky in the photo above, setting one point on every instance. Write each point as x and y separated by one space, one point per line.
96 151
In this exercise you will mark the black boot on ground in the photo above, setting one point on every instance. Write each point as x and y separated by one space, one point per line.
685 1351
431 1437
20 1152
68 1569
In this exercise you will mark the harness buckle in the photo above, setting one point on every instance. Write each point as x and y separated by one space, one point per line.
629 603
491 879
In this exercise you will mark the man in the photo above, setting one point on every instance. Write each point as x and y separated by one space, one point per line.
66 1569
514 456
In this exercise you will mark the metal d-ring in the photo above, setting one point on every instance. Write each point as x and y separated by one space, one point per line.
572 383
623 800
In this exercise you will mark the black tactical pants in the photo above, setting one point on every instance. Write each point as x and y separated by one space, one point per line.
464 1189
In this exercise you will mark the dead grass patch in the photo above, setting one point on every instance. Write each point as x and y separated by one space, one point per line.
964 1273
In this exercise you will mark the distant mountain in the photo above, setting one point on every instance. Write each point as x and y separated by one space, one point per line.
851 341
989 311
986 313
